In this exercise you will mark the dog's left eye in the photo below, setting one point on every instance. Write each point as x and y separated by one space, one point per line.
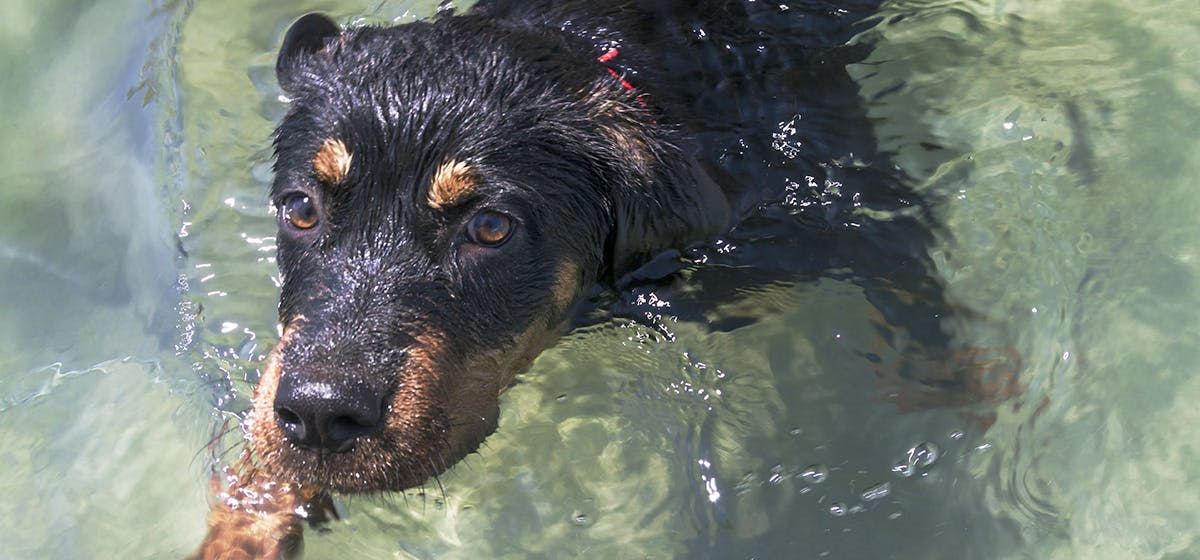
489 229
299 211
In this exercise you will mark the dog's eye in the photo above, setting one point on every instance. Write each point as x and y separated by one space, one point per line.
299 211
489 229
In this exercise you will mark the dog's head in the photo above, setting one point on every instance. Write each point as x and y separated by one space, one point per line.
445 192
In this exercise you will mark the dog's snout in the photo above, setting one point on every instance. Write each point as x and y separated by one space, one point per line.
327 416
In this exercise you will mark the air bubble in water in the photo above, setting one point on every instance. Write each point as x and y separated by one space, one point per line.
580 519
814 474
837 509
925 454
920 456
877 492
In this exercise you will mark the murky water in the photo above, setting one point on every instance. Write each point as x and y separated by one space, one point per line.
1058 139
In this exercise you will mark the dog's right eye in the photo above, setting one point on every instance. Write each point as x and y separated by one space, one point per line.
299 211
489 229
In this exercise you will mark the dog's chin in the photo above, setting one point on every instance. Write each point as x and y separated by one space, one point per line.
376 464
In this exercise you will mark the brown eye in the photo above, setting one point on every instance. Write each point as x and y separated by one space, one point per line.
489 229
299 211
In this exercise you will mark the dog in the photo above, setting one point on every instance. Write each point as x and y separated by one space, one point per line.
454 195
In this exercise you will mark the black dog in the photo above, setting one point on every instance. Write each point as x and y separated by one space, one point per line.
449 192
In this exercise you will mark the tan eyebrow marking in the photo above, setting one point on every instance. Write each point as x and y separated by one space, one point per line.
332 162
452 183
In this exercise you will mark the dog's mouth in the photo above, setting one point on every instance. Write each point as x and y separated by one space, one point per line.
338 436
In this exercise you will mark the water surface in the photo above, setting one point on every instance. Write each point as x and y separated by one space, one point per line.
1056 140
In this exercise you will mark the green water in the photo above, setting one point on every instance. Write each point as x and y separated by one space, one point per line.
137 296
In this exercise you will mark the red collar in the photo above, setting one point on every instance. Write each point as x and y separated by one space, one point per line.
607 57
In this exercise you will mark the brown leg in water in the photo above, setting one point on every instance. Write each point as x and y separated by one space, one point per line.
257 518
915 377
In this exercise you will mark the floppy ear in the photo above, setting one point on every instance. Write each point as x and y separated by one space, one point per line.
674 207
308 35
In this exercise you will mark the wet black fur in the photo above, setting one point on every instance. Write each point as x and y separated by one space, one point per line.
515 89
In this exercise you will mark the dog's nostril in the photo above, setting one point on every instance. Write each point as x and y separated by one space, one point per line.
292 425
348 429
287 416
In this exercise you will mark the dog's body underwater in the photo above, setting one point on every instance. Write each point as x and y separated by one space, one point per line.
452 194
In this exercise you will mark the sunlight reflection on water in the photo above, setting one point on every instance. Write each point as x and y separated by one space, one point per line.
138 289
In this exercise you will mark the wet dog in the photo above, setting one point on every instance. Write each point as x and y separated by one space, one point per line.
450 192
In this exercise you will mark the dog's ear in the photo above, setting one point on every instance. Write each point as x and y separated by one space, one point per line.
308 35
673 207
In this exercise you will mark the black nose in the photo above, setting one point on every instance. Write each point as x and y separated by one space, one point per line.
327 416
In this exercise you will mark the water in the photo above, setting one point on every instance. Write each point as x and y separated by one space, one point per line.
137 296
